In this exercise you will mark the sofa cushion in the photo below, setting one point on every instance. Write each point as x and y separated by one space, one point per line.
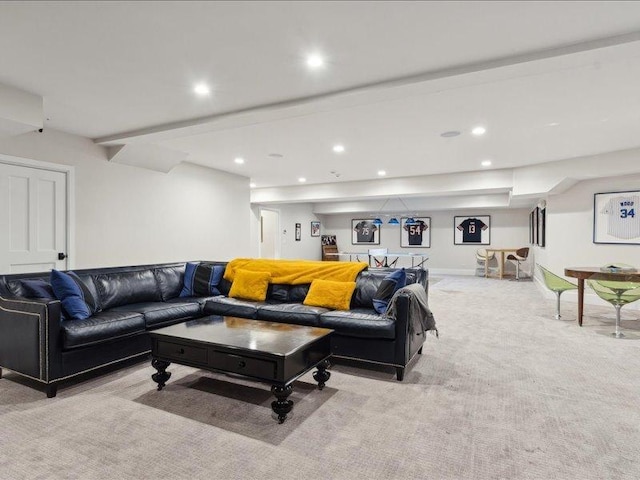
390 285
76 299
156 313
125 288
170 281
362 322
291 313
278 292
249 285
201 279
297 293
37 288
329 294
101 327
233 307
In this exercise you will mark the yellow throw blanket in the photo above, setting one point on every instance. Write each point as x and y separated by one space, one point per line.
296 272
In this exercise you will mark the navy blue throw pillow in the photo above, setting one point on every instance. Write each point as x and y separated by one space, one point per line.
390 285
77 301
38 289
201 280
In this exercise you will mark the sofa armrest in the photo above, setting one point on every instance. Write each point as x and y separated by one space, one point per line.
30 336
409 331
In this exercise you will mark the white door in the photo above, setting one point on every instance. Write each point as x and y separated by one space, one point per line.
269 234
33 223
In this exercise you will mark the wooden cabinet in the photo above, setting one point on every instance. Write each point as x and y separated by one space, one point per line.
329 249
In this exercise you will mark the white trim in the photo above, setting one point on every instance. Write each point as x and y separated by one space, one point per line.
571 296
278 252
70 201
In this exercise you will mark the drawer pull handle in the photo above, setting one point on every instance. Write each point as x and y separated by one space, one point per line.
242 364
181 351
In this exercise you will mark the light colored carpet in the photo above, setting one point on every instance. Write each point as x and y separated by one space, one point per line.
506 392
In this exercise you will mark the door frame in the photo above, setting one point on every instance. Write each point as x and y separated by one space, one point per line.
70 200
278 244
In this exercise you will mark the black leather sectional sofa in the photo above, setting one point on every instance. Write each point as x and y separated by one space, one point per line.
36 340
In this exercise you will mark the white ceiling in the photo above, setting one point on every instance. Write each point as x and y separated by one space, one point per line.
398 75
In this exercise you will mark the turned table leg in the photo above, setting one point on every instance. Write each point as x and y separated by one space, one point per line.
322 375
580 300
281 406
162 375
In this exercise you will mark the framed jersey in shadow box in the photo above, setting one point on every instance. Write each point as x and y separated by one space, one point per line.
616 218
415 232
364 232
472 230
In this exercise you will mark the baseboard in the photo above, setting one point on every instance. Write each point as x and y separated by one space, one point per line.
571 296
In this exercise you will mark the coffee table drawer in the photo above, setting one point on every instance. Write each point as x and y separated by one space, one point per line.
182 352
244 365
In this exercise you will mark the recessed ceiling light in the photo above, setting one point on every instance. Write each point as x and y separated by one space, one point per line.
315 61
338 148
252 185
553 124
202 89
450 133
302 179
239 160
381 173
477 131
486 163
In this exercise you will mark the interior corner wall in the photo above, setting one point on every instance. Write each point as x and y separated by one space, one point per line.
569 230
126 215
308 247
509 229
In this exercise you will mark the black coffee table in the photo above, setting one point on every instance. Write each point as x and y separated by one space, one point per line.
277 353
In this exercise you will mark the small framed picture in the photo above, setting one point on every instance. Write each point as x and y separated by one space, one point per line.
298 232
616 218
328 240
415 232
474 230
315 229
364 232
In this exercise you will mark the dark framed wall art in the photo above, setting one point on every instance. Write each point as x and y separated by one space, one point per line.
298 232
315 229
542 225
474 230
415 232
364 232
328 240
532 227
616 218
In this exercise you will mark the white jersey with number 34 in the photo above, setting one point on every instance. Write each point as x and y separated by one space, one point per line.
624 217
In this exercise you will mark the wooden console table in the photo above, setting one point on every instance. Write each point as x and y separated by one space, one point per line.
594 273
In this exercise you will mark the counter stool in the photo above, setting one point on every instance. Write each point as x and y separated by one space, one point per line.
519 256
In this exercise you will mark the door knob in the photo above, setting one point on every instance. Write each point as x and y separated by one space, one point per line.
61 256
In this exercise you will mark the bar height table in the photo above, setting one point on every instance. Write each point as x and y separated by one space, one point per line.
501 251
595 273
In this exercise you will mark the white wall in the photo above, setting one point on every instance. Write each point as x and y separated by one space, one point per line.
308 248
127 215
569 230
509 229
